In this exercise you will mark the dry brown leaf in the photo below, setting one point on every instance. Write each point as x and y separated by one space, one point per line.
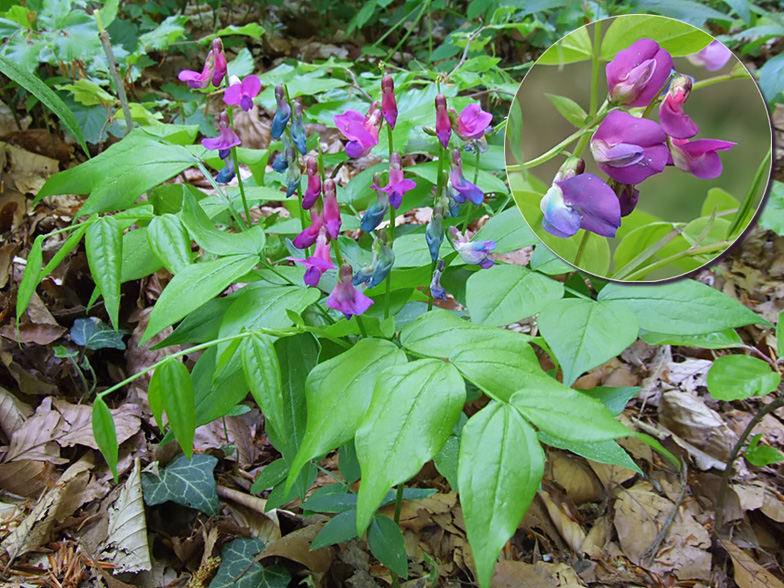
514 574
76 425
296 547
28 382
40 334
569 529
7 253
33 440
574 476
26 477
13 412
748 573
595 541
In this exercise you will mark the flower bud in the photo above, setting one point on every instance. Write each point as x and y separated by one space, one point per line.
443 125
388 101
220 67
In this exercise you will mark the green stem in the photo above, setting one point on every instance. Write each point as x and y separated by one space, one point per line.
581 247
398 507
118 83
719 245
237 216
548 155
595 75
237 171
361 326
430 296
87 388
723 78
391 233
408 32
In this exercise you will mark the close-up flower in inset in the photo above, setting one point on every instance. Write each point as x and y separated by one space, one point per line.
713 57
673 120
699 157
637 74
581 202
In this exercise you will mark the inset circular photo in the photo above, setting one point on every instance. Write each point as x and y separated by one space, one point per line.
638 148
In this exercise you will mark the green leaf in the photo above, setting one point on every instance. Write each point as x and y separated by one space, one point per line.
262 373
614 398
762 455
719 340
105 434
772 78
189 483
169 242
338 393
272 475
677 38
30 82
780 335
509 231
138 259
348 464
31 278
92 333
239 568
414 408
736 377
218 242
681 308
339 529
772 217
69 245
575 46
104 242
386 543
194 286
569 109
501 466
584 334
200 326
335 498
175 388
505 294
565 413
123 172
608 452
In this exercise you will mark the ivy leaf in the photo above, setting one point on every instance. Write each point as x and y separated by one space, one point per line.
239 568
92 333
189 483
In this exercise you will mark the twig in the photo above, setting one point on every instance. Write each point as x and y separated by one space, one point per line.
651 552
118 83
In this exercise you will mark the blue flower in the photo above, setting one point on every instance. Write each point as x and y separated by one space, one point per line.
282 114
581 202
376 211
473 252
435 284
434 233
298 130
460 188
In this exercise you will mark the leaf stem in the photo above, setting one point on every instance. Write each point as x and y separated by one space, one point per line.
581 247
595 74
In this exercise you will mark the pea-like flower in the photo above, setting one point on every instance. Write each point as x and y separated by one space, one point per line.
584 202
388 101
298 130
435 284
360 130
346 298
225 140
629 149
314 184
474 252
673 120
434 233
214 69
242 92
637 74
308 236
713 57
376 211
460 188
226 173
397 185
383 260
699 157
443 124
628 196
319 262
282 114
293 174
472 122
332 218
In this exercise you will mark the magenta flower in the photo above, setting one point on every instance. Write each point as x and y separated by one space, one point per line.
443 124
699 157
474 252
673 120
472 122
346 298
361 131
319 262
388 101
629 149
460 188
580 202
637 74
221 67
225 140
243 92
314 184
713 57
214 69
307 237
397 185
331 209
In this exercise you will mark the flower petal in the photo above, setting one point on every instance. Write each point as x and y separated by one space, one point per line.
595 202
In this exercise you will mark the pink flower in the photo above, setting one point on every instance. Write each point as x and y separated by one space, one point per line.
319 262
361 131
699 157
637 74
346 298
214 69
472 122
388 101
308 236
443 124
713 57
221 67
314 184
674 121
397 185
242 93
225 140
332 218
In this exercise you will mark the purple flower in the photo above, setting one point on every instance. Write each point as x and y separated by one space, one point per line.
629 149
637 74
699 157
214 69
435 284
397 185
346 298
293 175
221 67
388 102
319 262
225 140
307 237
472 122
580 202
460 188
282 114
474 252
332 219
298 129
361 131
434 233
314 184
243 92
674 121
628 196
443 124
713 57
226 173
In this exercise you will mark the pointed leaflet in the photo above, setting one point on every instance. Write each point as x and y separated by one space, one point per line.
194 286
31 277
565 413
584 333
262 373
105 434
414 408
338 393
170 242
172 387
211 239
386 542
104 254
737 377
500 467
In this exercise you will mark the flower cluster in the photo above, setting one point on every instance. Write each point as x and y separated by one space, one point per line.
630 148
